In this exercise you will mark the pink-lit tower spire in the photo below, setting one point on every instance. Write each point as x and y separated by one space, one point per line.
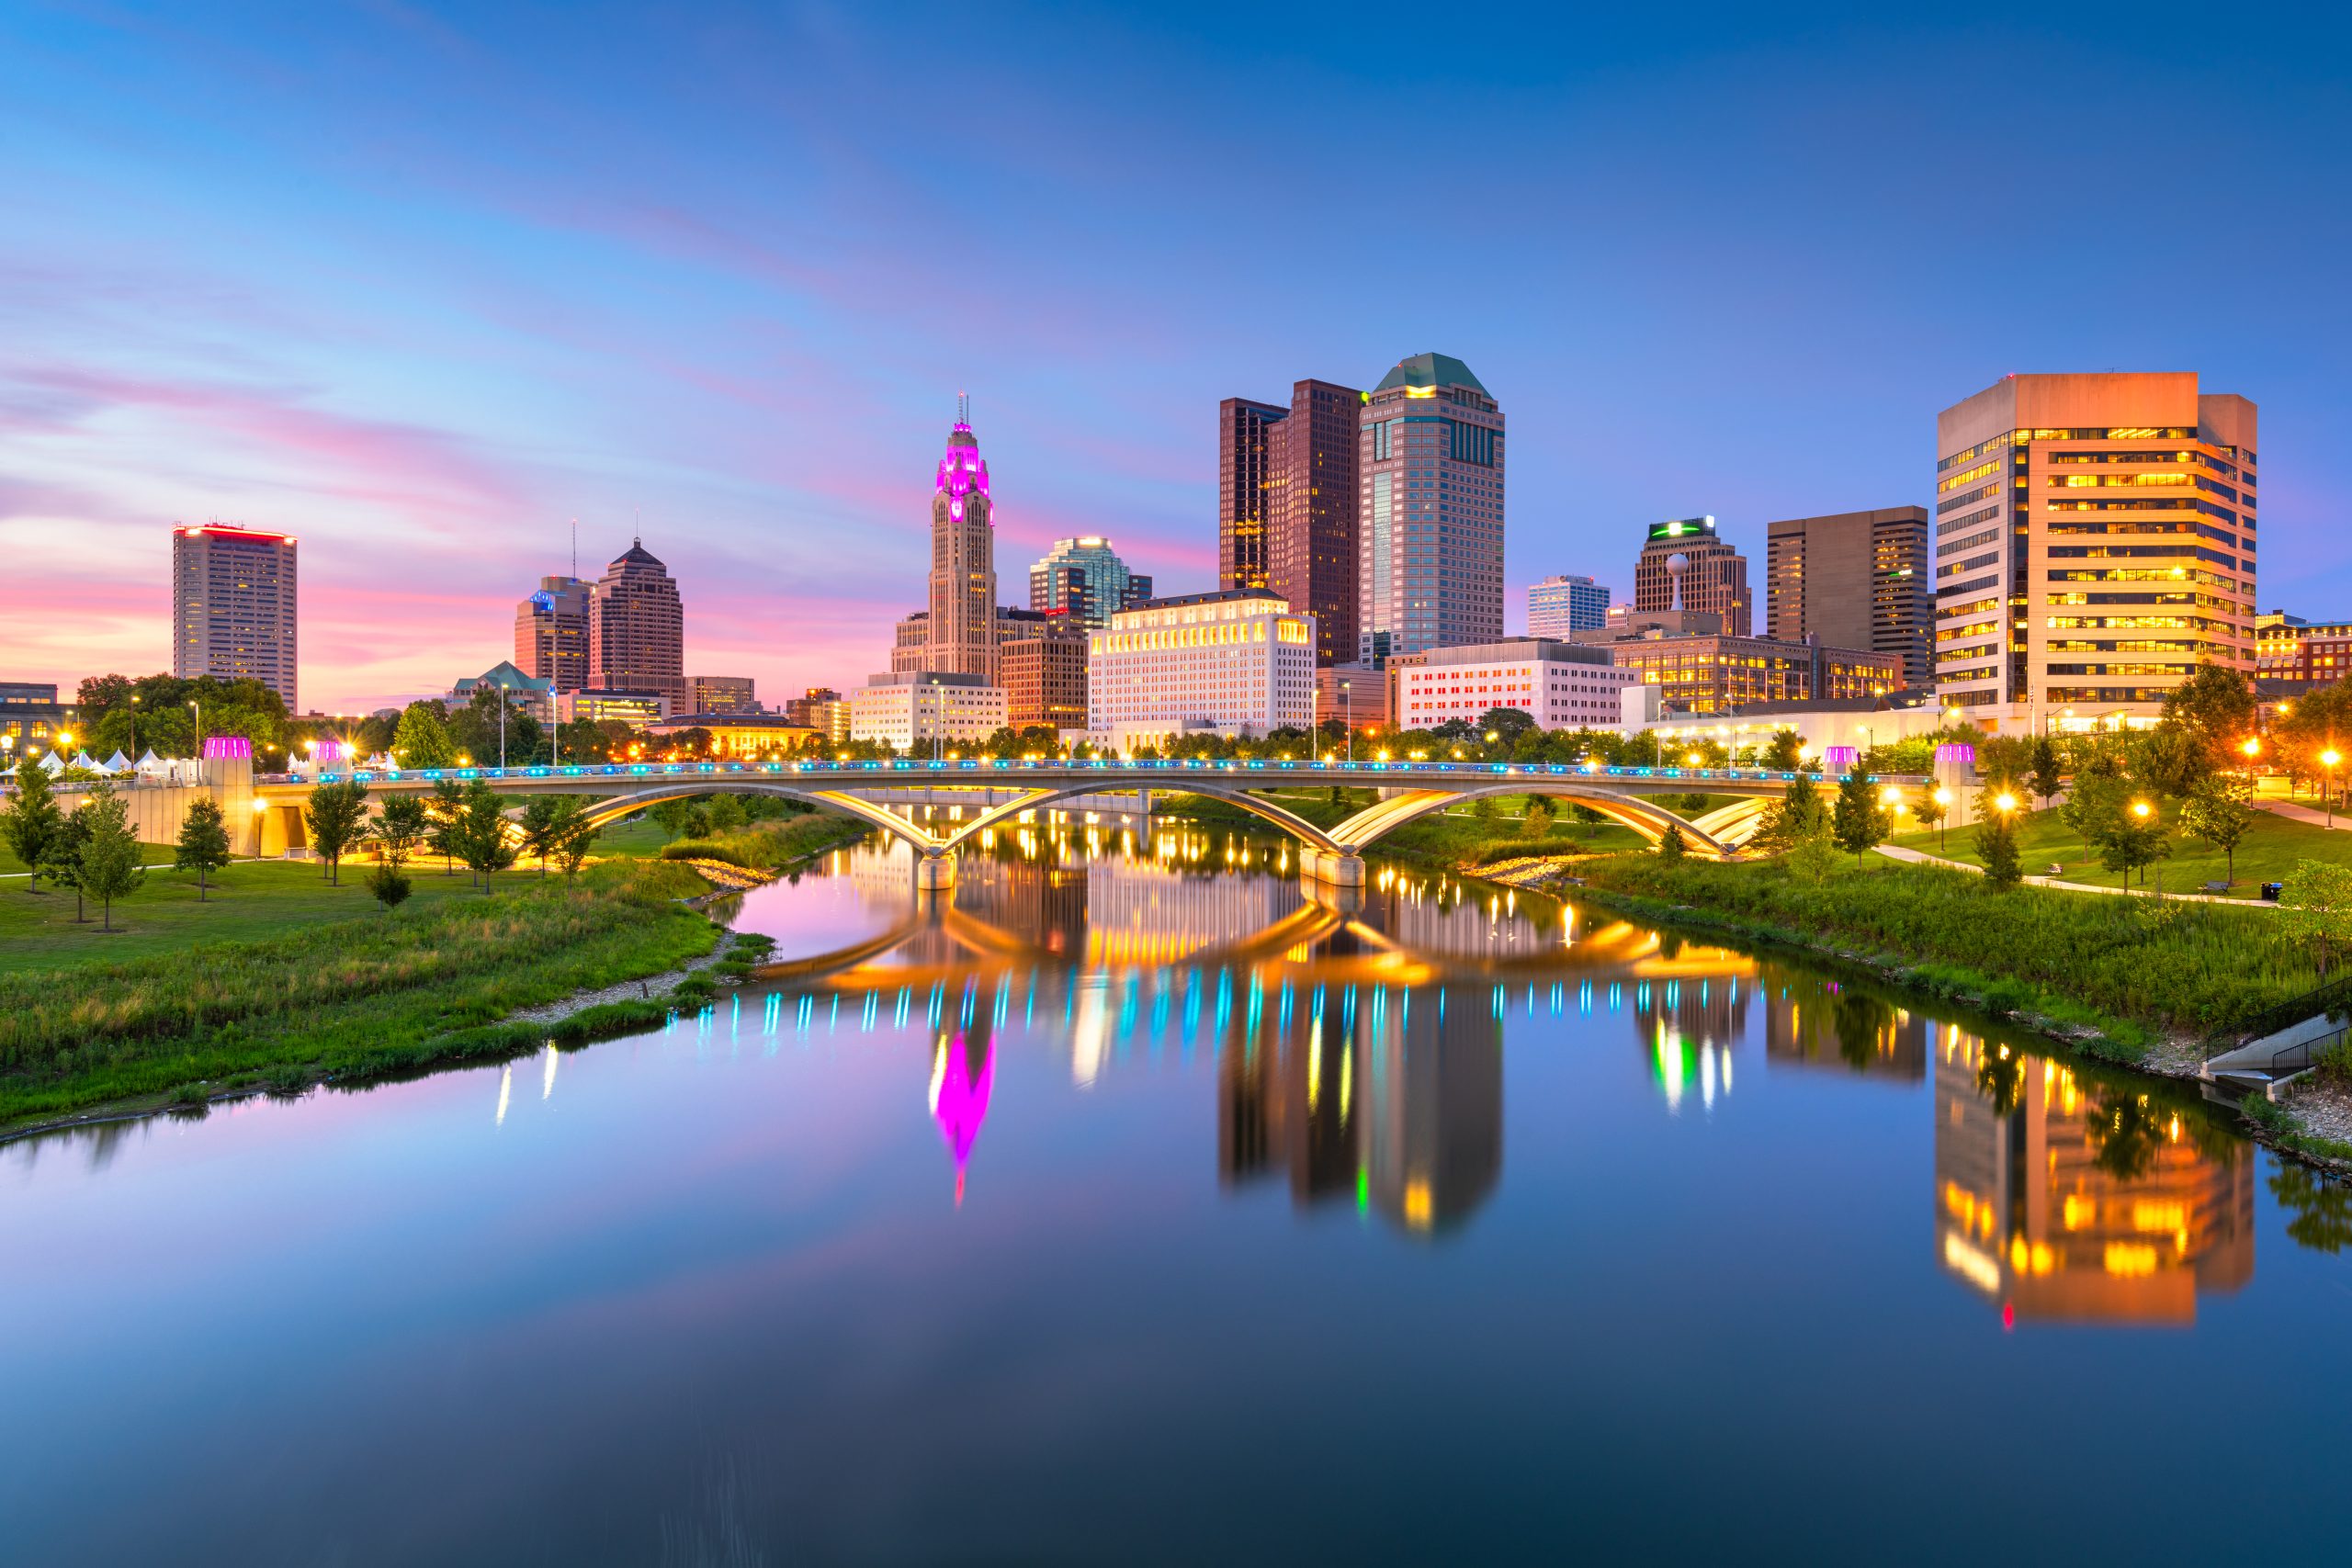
963 558
959 1096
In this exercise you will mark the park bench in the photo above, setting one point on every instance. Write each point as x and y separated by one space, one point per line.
2216 887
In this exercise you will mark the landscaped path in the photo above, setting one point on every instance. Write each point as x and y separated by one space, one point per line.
2341 822
1897 852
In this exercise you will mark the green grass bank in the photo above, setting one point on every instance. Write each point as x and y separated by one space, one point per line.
2126 968
355 998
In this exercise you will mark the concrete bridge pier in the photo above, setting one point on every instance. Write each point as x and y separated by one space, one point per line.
1332 871
934 871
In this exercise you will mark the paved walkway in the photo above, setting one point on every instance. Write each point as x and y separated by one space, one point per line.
2294 813
1895 852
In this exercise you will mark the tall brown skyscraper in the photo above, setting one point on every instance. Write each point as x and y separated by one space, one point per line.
1244 485
232 606
1855 579
1683 566
1286 505
637 630
961 628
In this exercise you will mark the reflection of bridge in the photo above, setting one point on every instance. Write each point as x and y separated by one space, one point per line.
1409 790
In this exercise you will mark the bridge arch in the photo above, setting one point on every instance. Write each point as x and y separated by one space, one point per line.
1644 816
1289 821
612 808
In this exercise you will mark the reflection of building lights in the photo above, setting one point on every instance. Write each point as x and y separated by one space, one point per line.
1417 1203
2130 1259
1972 1265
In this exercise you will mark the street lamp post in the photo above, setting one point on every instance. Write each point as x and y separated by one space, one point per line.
1944 816
2328 759
1348 717
198 708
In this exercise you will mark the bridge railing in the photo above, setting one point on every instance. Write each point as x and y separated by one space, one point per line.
973 770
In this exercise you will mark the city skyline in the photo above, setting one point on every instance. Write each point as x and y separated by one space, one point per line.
435 361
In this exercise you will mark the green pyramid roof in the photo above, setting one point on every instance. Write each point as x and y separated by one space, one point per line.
1429 370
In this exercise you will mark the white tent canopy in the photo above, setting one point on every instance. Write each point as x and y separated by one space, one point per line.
116 763
152 764
52 764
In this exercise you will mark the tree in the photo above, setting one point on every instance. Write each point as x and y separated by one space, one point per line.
2137 838
390 886
203 843
2170 760
2095 808
445 809
1785 750
1539 817
2044 776
1859 821
1671 847
60 858
543 816
1932 811
2218 814
483 843
572 836
32 820
675 817
2316 905
1996 841
422 739
109 860
727 813
2214 711
1798 816
401 826
337 817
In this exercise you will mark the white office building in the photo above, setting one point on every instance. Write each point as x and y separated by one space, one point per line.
1560 685
1233 661
921 708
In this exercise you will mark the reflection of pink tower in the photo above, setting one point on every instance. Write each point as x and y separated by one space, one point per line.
959 1098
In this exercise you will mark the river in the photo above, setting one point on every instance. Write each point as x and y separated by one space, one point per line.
1132 1206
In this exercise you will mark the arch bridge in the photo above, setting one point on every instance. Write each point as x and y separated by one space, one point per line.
1000 790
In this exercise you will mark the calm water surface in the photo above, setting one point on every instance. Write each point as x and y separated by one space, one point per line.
1141 1209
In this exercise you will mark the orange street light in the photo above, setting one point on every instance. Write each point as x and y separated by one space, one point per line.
2141 808
2006 802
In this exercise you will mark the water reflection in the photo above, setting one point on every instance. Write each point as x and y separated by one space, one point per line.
2075 1201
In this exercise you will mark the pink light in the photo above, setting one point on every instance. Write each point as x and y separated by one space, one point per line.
961 471
960 1100
233 747
1838 759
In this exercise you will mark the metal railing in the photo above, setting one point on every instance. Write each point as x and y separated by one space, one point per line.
2333 997
999 766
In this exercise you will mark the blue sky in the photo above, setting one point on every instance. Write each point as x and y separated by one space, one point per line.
421 283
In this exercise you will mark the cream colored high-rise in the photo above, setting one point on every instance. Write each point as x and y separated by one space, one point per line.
962 619
2094 541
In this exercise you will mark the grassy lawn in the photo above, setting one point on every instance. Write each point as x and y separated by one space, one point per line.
346 998
2269 850
150 854
249 900
642 838
2113 962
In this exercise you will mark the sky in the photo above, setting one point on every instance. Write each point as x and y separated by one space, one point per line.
423 285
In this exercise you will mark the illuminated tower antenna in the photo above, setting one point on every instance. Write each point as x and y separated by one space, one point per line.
575 547
963 408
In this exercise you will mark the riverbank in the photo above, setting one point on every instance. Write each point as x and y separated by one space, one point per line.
340 999
351 999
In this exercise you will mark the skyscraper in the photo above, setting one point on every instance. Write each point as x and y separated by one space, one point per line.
2094 540
1085 578
637 630
234 607
1559 605
1853 580
1286 505
1684 566
1430 535
551 633
962 624
1243 484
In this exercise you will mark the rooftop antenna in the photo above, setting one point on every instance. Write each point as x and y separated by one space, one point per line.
963 408
575 549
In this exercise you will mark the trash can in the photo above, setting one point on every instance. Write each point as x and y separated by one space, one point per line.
2270 891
